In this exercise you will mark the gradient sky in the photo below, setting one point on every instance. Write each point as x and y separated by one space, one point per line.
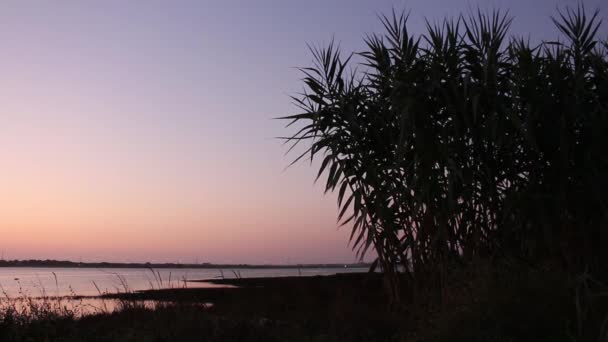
141 130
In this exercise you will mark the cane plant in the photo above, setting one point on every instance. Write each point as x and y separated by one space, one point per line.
464 143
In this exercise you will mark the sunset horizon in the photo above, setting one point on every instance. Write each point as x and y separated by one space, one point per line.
153 138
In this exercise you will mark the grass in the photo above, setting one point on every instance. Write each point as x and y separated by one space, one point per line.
133 323
178 314
483 303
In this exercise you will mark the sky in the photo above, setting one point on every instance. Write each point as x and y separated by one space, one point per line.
142 130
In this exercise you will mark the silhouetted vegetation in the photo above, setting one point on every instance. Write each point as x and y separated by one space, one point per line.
464 144
345 307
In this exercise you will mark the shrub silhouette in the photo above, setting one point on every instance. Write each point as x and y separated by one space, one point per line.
462 143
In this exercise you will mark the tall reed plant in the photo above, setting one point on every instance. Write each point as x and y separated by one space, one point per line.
464 142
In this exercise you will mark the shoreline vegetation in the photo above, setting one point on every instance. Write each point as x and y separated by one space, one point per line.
485 305
73 264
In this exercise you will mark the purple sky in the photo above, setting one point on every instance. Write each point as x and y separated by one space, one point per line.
142 130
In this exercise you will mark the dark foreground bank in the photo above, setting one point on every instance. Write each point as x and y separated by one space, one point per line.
347 307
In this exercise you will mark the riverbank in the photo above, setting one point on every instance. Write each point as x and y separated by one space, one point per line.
352 297
344 307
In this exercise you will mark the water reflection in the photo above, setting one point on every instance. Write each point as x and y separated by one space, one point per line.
44 292
59 282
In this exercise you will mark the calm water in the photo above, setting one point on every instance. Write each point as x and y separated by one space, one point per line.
59 282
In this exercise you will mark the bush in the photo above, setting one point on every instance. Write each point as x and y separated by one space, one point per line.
461 144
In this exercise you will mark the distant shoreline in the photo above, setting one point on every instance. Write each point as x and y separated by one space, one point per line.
72 264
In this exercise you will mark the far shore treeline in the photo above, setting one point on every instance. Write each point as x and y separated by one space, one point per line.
67 263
